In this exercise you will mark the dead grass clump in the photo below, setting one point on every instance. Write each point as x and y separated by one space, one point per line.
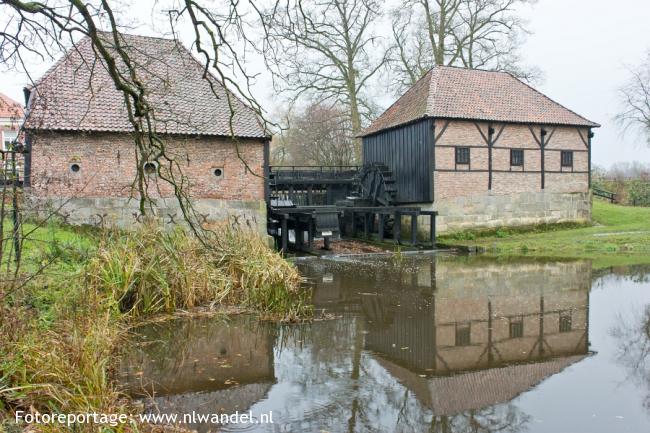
153 270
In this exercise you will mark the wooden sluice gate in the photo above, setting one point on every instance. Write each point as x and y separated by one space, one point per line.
310 202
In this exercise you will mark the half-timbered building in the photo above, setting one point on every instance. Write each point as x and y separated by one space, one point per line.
484 149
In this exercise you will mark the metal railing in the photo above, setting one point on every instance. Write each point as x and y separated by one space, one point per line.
607 195
299 172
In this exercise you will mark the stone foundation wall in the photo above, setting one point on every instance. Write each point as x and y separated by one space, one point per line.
518 209
124 213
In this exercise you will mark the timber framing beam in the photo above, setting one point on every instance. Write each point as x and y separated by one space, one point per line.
490 140
542 141
587 142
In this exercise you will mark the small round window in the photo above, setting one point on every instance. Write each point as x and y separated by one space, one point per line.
75 168
218 172
149 168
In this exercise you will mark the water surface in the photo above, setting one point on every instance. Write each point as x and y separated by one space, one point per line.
426 343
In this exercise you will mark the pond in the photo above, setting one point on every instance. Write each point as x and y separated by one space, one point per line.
437 343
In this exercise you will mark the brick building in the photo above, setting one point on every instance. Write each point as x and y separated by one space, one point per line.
83 157
11 117
484 149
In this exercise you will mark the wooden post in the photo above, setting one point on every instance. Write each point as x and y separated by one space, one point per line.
490 344
310 234
300 235
14 213
432 158
433 229
542 139
397 227
267 171
489 143
366 224
285 234
381 227
414 228
590 135
540 340
354 225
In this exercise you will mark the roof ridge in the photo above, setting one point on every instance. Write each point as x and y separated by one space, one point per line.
133 35
465 68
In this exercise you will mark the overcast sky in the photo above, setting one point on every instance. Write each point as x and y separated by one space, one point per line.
582 47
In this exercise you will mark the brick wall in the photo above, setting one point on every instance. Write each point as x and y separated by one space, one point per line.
453 180
108 168
102 191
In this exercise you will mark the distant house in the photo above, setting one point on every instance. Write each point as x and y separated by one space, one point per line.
11 118
484 149
82 159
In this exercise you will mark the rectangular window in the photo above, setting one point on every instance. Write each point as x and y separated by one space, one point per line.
516 157
462 155
463 335
567 158
565 321
9 137
516 327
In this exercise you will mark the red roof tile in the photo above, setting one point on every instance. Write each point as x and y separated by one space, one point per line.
10 108
459 93
78 94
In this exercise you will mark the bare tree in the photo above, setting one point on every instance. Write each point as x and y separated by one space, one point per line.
321 135
635 97
629 170
48 29
326 50
481 34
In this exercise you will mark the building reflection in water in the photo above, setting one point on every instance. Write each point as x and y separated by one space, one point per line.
423 343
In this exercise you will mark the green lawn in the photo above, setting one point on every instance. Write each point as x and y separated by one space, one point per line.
53 246
619 235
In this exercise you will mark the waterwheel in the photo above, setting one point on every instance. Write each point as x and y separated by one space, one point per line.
376 185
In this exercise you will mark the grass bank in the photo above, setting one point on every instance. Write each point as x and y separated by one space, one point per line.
618 235
61 326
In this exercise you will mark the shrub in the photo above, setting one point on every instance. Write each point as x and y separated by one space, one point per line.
639 193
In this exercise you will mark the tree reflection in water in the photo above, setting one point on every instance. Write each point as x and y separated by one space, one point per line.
506 418
633 335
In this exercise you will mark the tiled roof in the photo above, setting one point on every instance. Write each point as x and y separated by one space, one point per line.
10 108
66 98
460 392
459 93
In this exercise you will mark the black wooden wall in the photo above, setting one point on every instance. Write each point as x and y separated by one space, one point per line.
408 152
